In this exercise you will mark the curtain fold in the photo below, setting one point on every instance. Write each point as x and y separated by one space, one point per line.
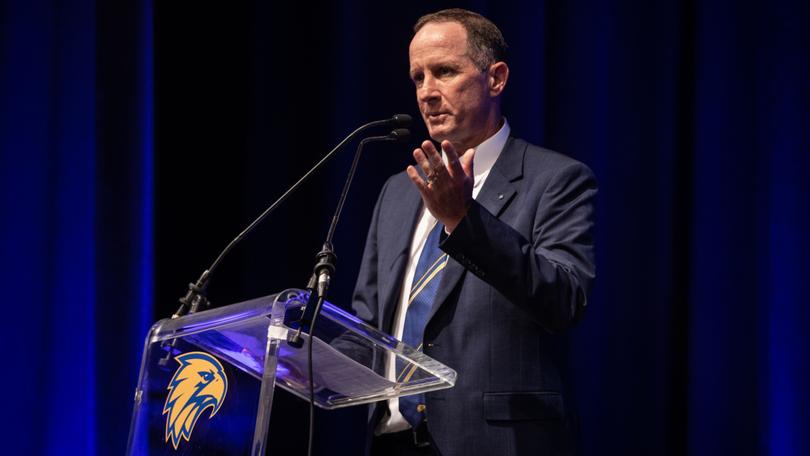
76 242
693 114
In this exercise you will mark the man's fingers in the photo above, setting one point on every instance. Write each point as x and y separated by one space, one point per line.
449 149
432 154
467 161
429 148
453 164
421 160
430 160
416 179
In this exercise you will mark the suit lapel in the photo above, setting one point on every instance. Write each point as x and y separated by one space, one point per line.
496 194
404 223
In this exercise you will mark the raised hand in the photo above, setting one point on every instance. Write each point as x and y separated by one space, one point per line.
447 190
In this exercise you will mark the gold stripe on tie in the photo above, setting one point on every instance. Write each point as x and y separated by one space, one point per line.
409 371
427 271
428 279
405 369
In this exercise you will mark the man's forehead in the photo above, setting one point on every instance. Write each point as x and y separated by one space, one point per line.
447 37
438 41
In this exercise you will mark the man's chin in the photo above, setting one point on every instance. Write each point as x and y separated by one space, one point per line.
440 134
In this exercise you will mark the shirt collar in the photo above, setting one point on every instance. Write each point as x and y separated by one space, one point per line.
488 152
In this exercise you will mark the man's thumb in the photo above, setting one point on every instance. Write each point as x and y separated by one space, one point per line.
467 161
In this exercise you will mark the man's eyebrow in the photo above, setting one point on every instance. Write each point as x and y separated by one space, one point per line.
454 61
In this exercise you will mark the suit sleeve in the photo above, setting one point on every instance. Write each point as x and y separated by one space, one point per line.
549 276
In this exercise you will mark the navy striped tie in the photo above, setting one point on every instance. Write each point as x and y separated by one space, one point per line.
425 285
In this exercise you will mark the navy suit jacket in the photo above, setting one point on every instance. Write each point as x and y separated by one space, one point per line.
520 269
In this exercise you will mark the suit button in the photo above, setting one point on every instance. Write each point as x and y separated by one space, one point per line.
430 345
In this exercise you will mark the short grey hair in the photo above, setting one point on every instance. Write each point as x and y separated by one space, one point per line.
484 40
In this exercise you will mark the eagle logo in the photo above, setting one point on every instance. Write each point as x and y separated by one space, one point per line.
198 384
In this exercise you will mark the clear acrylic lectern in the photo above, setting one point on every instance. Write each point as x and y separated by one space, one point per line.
207 379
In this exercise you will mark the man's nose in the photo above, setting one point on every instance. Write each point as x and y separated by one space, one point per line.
428 92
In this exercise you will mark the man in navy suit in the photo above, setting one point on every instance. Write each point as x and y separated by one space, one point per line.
480 253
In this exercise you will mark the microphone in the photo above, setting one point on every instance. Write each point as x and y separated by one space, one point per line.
400 134
195 297
395 121
325 266
326 258
400 120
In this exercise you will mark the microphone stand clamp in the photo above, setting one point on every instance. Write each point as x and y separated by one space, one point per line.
318 287
195 297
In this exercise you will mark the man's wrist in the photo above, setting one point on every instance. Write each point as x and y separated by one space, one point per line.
451 225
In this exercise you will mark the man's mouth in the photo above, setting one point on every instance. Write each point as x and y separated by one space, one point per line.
435 116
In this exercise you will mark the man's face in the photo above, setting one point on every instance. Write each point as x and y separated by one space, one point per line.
452 93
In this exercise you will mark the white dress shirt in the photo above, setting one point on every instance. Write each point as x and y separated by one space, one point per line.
485 155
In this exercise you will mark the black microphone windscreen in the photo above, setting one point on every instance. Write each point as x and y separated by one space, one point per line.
400 134
401 120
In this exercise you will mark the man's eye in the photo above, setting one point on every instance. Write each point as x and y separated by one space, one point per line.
444 71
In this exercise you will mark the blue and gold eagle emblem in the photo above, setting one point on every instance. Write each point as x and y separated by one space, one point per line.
198 384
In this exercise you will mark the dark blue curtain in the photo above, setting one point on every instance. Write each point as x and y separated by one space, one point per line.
693 114
77 214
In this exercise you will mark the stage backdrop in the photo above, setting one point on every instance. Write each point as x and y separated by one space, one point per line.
136 140
77 208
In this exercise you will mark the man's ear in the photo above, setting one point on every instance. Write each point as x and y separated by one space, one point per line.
497 76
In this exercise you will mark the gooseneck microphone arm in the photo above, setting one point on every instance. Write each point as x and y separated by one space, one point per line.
195 297
322 274
399 135
326 258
